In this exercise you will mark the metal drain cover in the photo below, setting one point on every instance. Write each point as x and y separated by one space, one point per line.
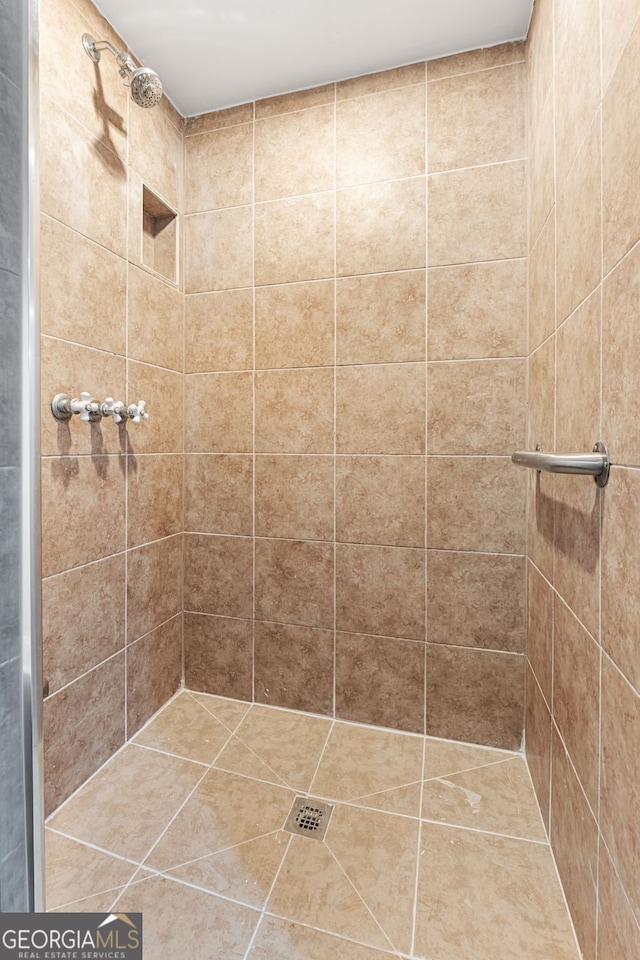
309 818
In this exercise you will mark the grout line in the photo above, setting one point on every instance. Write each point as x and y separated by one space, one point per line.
361 898
268 897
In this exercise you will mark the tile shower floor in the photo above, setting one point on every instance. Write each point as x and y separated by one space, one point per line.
434 849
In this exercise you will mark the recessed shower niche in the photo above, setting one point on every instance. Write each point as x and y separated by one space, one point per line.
159 236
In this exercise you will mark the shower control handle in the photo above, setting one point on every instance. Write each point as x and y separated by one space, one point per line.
113 408
136 413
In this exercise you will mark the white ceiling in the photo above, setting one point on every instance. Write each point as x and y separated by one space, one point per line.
217 53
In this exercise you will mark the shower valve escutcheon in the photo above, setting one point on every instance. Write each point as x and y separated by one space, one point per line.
64 407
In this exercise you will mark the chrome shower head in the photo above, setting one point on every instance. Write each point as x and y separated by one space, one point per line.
145 87
144 84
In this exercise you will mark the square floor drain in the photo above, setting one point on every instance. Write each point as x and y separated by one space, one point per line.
309 818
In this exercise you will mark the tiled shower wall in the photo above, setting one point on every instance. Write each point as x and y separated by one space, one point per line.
583 681
112 497
355 339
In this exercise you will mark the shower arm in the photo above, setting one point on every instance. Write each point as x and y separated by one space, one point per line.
95 47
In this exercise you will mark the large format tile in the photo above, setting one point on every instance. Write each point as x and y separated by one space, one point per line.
495 797
73 869
377 851
291 744
138 794
284 940
222 932
313 889
482 896
294 667
477 310
380 319
218 655
364 765
187 729
227 838
476 600
294 153
477 118
295 324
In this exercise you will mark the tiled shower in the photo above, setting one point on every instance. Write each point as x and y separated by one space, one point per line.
386 285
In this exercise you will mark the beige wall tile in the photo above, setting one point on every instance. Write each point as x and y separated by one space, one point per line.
227 426
294 239
618 19
475 503
542 172
381 318
477 310
380 227
155 320
154 586
298 100
540 65
574 839
541 519
476 600
218 575
219 331
206 122
381 137
541 397
619 777
218 250
381 409
578 377
476 407
294 667
538 744
79 282
83 727
577 541
379 82
218 655
219 169
476 118
380 500
77 635
294 411
83 183
92 93
472 60
577 45
154 498
154 672
74 489
294 582
295 324
156 151
162 390
70 368
579 228
576 697
295 153
542 285
620 367
477 214
475 695
540 607
294 497
620 577
380 681
618 931
218 494
380 590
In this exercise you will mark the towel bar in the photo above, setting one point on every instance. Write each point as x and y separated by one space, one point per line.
594 464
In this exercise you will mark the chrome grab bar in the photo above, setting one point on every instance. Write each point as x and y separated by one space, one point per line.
594 464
